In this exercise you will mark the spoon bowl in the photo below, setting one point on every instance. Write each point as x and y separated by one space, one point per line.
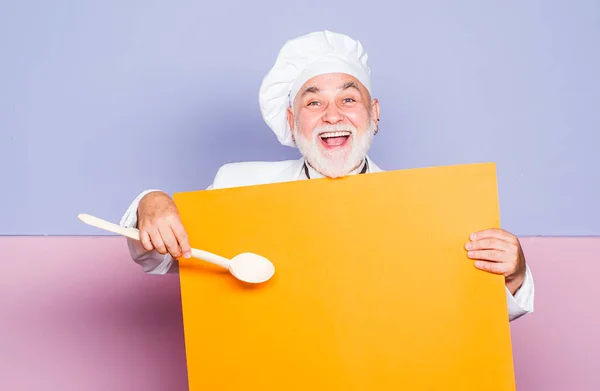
251 268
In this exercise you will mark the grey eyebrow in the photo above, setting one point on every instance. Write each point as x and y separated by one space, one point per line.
309 90
350 84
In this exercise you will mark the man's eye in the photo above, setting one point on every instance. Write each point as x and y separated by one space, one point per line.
313 103
349 100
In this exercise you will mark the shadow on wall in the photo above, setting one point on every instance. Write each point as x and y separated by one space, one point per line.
196 136
230 130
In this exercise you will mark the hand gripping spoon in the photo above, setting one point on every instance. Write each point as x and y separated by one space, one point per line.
247 267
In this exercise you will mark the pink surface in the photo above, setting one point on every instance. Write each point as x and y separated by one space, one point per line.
557 348
77 314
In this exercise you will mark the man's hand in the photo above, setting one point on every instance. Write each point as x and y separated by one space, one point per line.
160 226
497 251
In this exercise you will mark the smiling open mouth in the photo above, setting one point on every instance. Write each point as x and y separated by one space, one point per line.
335 139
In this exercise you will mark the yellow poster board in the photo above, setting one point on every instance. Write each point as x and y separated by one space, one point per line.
372 290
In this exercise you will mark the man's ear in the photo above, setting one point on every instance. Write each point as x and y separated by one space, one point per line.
290 118
375 113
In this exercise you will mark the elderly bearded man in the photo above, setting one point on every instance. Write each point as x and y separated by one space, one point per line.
317 97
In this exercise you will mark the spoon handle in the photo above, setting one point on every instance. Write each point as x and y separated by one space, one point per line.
131 233
134 233
211 258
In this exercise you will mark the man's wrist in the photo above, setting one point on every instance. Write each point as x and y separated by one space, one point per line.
513 284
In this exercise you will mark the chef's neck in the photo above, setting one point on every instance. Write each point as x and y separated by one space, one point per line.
316 174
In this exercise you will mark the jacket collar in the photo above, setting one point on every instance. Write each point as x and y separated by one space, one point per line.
372 166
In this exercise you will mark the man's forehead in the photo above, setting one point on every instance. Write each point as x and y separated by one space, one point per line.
332 81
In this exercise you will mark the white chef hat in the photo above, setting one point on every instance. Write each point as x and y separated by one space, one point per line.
300 60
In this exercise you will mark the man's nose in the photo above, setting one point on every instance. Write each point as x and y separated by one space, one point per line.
333 115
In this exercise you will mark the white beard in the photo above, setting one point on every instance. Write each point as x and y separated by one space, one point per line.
338 163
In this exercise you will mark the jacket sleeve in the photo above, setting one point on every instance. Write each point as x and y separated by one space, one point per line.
522 302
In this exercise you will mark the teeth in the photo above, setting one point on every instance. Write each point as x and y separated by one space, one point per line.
335 134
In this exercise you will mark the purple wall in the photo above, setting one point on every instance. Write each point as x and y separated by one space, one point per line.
78 315
169 91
